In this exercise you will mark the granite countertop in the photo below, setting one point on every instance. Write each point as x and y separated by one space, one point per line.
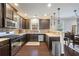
3 39
34 33
20 34
53 34
76 47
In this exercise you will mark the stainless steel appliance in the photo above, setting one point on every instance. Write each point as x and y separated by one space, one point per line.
14 43
10 23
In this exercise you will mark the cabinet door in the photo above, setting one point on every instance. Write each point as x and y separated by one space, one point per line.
33 37
23 23
9 12
20 22
27 24
1 15
15 46
4 50
44 23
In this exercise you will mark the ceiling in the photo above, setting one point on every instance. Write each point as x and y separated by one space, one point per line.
39 9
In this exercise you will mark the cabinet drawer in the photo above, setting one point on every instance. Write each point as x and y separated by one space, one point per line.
4 50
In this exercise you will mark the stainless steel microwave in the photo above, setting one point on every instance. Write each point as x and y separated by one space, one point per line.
10 23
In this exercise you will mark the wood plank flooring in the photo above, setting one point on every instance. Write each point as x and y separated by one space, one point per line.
40 50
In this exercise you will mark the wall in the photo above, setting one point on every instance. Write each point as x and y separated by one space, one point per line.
68 22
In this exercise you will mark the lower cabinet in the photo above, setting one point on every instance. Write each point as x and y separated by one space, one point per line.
4 50
17 43
23 39
53 44
13 45
35 37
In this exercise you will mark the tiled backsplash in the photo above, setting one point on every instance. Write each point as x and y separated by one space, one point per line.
22 30
8 30
5 29
15 30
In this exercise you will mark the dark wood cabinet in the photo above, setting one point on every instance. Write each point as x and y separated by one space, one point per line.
20 22
6 16
36 37
9 17
9 12
2 15
4 50
32 37
27 24
23 23
17 43
44 23
48 42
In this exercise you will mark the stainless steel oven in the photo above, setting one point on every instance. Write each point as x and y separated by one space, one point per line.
15 45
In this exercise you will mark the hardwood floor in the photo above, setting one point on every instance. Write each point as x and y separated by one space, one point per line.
28 50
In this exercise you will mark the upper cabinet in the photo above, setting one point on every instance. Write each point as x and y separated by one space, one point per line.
23 23
6 16
9 12
9 17
44 23
27 24
0 15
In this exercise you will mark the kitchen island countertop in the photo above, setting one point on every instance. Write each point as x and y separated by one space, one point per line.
53 34
3 39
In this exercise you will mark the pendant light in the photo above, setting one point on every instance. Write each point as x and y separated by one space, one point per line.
54 18
58 15
75 12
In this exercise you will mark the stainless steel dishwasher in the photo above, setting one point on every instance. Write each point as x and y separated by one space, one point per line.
56 49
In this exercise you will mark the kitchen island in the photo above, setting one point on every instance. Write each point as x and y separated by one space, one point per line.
53 42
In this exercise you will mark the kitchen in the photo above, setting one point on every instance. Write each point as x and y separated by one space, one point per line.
39 29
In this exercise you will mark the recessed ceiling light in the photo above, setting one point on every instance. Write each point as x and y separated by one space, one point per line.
49 5
16 4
